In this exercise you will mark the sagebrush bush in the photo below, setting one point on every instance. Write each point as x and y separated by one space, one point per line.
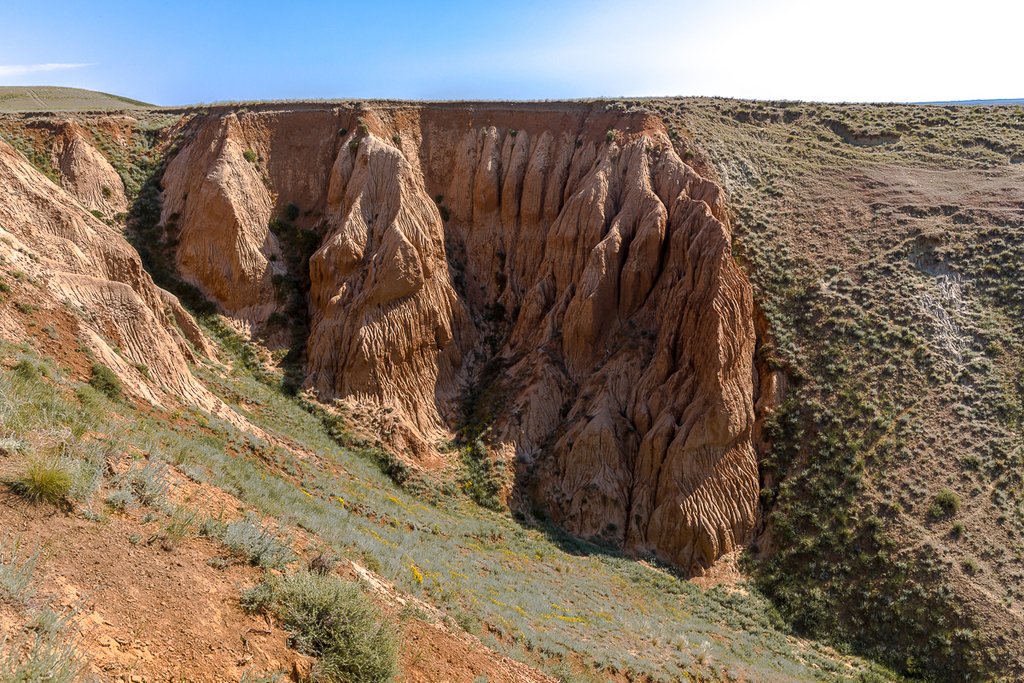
333 620
16 569
45 481
945 504
43 656
257 543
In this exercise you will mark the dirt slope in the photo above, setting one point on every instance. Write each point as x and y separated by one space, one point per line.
68 255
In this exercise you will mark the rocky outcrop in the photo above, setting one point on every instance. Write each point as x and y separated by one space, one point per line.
558 277
87 174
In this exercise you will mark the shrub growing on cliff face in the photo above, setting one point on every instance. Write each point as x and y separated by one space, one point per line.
333 620
103 379
481 477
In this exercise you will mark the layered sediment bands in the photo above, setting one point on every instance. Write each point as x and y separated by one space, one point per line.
75 260
559 269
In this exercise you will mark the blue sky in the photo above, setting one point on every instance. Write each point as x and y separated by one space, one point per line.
191 51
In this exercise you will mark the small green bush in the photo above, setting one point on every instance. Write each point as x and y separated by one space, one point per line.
333 620
104 380
945 504
28 370
45 481
250 156
481 478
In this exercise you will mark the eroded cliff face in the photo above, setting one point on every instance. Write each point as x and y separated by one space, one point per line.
86 173
86 276
557 277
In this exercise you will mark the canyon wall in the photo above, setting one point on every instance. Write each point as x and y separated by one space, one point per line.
556 280
88 283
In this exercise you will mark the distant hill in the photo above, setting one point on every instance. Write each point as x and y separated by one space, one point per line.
976 103
51 98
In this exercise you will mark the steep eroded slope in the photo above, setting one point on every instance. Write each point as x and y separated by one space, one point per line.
556 280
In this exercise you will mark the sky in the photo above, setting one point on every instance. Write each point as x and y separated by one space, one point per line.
192 51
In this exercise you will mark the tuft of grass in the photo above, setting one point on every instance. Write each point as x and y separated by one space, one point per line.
45 481
104 380
332 620
181 524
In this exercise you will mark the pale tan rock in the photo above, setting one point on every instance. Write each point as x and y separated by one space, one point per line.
224 226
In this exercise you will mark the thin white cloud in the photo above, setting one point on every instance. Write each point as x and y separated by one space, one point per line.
20 69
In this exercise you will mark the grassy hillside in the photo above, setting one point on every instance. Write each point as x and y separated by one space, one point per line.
46 98
136 481
885 245
532 593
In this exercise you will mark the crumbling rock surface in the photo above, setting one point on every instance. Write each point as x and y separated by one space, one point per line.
559 278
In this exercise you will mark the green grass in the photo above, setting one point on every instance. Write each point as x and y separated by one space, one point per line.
104 380
52 98
44 481
334 621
